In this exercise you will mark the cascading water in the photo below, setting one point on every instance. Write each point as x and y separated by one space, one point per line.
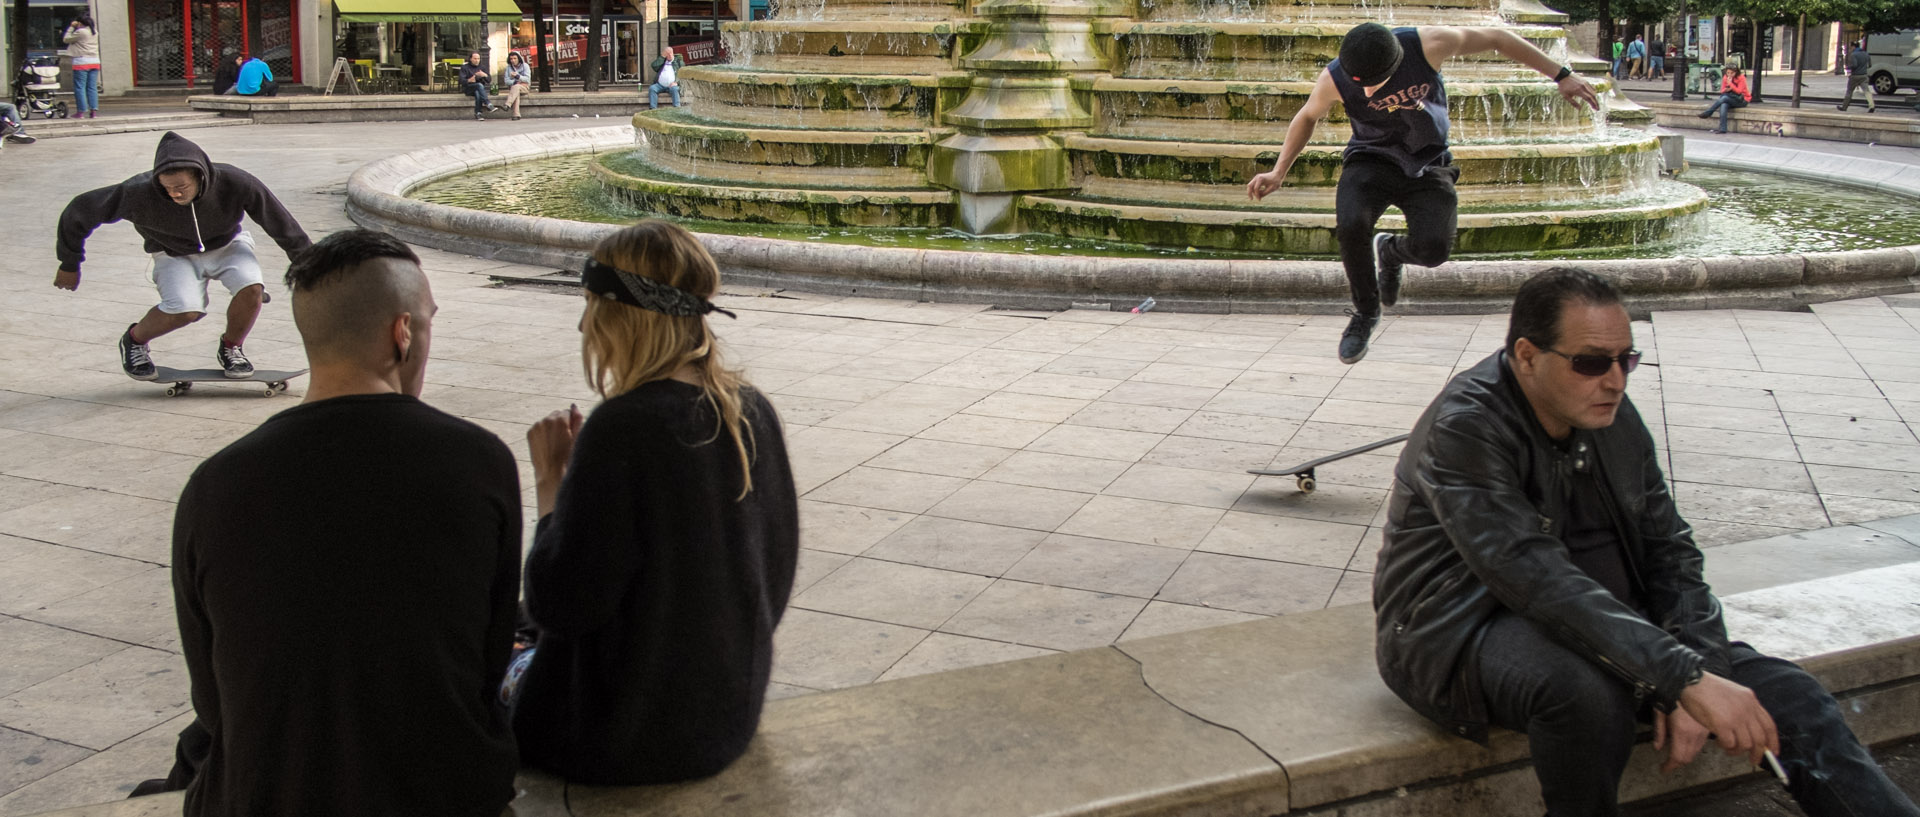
1149 117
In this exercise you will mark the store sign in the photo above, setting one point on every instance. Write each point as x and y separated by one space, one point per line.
703 50
575 50
577 28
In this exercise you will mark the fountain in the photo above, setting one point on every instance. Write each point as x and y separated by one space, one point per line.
1124 130
1137 121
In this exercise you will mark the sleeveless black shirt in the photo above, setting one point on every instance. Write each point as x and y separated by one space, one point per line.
1406 120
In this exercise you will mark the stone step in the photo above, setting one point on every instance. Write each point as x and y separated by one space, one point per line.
1282 715
129 123
1893 126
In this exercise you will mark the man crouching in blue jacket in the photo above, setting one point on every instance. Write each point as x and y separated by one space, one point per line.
1537 576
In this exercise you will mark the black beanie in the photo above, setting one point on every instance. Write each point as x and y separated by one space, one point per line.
1370 54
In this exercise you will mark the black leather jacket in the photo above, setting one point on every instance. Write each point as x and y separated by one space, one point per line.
1474 525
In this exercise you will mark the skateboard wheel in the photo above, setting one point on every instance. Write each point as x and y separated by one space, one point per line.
174 391
1306 485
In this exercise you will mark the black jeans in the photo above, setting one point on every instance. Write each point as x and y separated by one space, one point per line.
1368 186
1580 722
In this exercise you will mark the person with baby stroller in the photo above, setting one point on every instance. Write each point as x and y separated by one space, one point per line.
34 88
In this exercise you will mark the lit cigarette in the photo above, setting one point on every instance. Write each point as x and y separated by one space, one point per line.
1773 763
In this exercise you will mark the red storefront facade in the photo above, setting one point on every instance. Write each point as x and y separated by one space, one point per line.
183 42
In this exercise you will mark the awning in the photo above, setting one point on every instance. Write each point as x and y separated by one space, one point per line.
421 11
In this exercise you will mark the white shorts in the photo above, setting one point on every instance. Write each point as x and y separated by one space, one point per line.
183 281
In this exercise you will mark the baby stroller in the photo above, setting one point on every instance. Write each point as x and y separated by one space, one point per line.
35 87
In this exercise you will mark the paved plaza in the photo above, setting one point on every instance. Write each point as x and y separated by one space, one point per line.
977 485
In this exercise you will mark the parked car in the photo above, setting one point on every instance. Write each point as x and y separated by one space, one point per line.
1896 60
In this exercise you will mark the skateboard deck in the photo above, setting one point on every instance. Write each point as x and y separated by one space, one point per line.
1303 473
182 380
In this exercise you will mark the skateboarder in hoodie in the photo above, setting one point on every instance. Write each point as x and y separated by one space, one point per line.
188 209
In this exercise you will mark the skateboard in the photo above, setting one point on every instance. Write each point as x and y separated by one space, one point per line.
1303 473
183 379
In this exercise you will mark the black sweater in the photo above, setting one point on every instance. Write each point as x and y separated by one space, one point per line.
209 222
345 578
656 593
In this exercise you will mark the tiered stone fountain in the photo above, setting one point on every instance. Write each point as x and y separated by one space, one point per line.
1131 120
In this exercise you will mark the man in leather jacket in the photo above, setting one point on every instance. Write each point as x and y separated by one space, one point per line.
1537 576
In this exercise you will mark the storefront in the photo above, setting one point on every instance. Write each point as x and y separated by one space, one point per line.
623 54
397 46
184 41
46 23
693 29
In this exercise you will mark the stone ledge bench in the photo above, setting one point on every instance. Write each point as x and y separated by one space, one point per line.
1896 125
309 108
1282 715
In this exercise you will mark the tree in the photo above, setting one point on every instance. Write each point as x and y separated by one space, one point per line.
545 58
596 17
18 34
1606 12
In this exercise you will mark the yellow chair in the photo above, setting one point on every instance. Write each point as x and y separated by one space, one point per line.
448 73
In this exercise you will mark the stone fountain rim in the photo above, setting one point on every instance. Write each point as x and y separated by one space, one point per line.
377 198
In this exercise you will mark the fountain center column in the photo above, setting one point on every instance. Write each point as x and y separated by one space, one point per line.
1032 79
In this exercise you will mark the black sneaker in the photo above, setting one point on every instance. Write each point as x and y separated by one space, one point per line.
135 359
1389 271
19 138
1353 342
234 362
478 118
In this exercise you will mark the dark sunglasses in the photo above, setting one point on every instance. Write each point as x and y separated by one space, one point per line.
1597 365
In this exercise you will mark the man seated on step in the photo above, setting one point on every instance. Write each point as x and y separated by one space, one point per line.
13 127
347 575
188 210
1537 576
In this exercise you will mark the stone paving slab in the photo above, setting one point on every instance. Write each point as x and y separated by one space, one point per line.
978 486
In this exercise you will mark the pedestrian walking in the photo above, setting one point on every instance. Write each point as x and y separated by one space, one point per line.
1858 63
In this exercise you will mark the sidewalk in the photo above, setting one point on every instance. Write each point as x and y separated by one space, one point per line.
1777 87
977 485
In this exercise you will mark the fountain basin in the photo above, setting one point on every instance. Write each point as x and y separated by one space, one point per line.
1257 112
678 144
1214 175
847 46
377 198
1291 51
1405 13
879 102
1312 233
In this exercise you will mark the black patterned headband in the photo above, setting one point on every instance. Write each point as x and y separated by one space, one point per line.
646 293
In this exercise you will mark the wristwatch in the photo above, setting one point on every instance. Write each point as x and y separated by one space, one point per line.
1564 73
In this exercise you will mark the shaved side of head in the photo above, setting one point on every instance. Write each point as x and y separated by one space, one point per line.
346 317
347 290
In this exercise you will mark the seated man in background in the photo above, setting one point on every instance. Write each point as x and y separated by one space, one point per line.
346 576
13 127
1537 576
256 79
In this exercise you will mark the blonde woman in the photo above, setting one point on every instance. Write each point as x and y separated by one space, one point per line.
668 531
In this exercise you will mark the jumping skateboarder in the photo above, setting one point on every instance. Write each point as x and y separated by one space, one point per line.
1398 153
188 209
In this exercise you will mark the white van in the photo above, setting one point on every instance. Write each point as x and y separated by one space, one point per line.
1896 60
